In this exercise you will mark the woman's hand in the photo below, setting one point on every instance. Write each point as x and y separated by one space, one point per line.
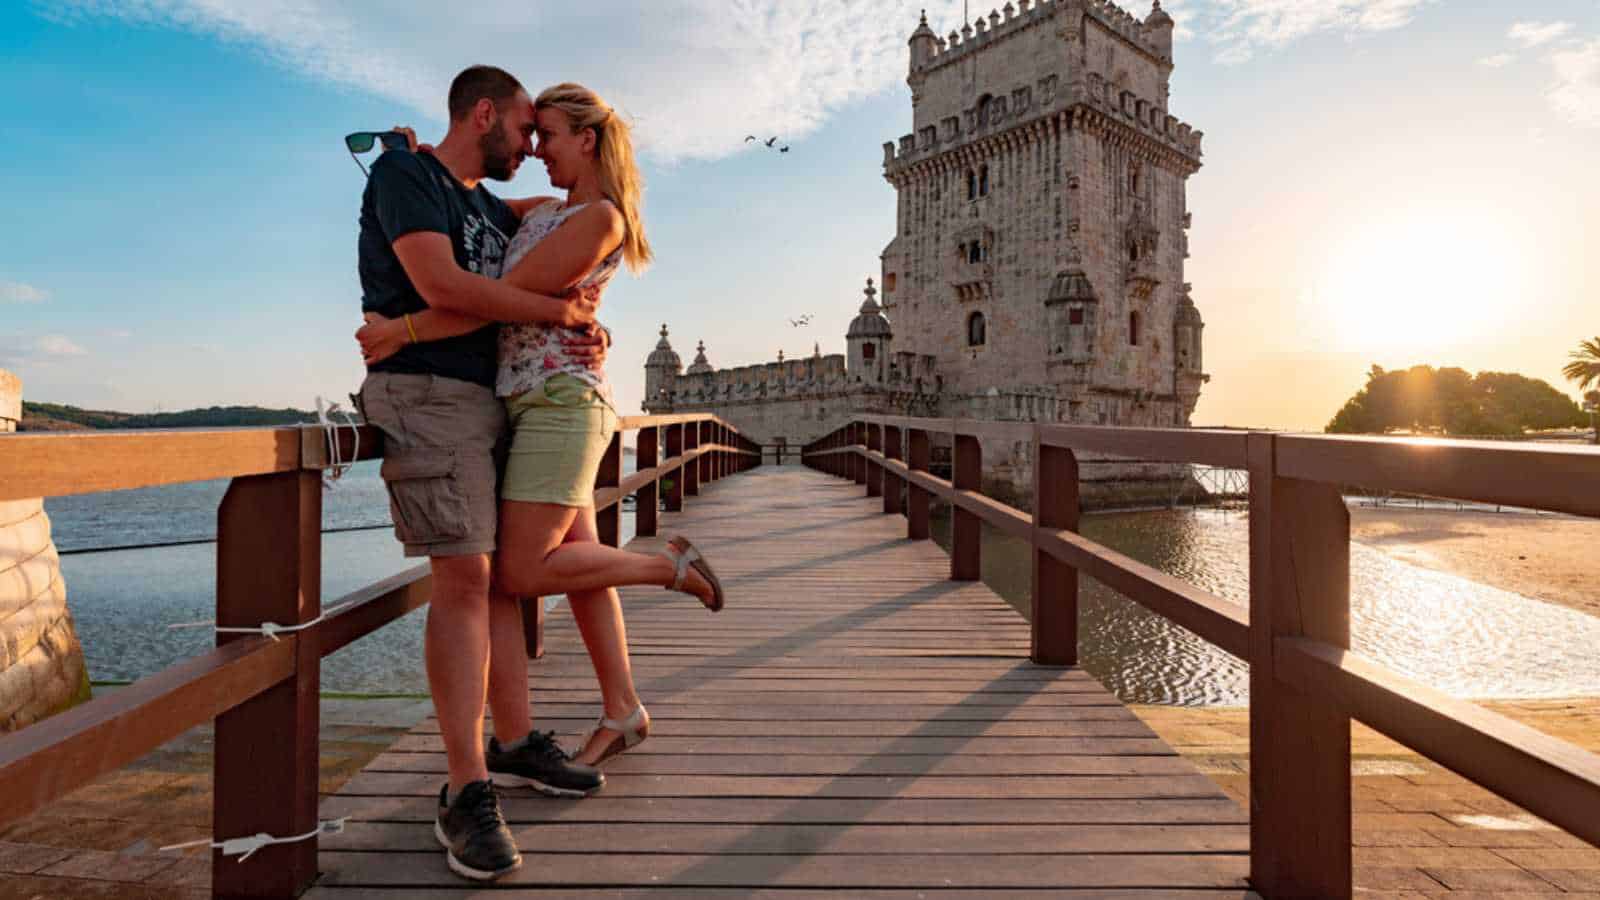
589 347
583 305
380 338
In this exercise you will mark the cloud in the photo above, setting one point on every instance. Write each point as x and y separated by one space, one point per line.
696 75
58 345
1575 95
1535 34
1498 61
17 292
1241 28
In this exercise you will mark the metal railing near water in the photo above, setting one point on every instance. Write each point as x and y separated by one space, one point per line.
262 691
1306 686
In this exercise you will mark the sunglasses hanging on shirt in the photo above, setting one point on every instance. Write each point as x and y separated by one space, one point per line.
363 141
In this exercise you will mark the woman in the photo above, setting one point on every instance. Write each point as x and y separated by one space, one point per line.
561 411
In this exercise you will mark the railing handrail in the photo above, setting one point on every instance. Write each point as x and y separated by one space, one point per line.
1306 684
263 689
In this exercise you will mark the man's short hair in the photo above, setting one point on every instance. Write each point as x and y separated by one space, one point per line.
477 83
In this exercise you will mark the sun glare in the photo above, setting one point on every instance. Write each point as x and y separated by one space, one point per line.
1422 285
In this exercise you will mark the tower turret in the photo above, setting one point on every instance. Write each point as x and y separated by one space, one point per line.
700 366
1189 369
924 45
661 370
1158 26
869 339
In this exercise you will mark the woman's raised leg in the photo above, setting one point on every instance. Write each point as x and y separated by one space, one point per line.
598 614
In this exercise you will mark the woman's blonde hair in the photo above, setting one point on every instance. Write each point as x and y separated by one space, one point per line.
619 174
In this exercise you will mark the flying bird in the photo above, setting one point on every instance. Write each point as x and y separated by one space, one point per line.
772 140
783 149
749 137
802 321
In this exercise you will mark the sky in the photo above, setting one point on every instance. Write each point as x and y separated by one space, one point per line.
1385 182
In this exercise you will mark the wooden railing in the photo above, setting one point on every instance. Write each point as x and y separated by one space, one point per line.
262 692
1305 683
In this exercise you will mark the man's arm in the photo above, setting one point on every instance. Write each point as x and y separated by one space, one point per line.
430 263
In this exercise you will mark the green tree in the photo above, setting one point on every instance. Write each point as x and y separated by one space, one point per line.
1453 401
1585 365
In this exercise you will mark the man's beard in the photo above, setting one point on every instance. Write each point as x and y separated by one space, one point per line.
499 154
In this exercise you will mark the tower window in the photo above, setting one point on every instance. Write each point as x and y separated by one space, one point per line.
977 330
983 182
1133 179
869 352
1133 329
972 185
1133 251
974 252
1075 317
888 283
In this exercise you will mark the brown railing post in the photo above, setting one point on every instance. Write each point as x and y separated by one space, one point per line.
874 471
966 527
858 464
608 521
691 469
1299 745
917 497
674 496
269 569
648 497
708 436
1055 584
893 486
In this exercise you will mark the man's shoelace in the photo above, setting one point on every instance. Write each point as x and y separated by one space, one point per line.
485 812
544 745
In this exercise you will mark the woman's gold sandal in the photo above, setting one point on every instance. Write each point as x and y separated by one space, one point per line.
685 556
630 733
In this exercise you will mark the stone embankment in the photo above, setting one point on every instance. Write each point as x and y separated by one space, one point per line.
41 662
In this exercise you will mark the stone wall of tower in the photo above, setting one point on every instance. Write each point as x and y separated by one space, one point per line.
1059 111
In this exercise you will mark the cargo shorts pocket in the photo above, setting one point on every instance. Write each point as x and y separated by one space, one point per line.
427 501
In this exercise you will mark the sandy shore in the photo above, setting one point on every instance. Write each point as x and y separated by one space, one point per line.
1550 558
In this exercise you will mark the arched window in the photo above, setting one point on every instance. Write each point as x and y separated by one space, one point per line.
888 283
983 110
983 182
1133 251
1133 179
1133 328
972 185
869 352
977 330
974 252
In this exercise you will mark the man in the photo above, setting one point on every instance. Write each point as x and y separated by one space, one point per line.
433 236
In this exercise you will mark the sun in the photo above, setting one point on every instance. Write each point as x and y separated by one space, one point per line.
1422 284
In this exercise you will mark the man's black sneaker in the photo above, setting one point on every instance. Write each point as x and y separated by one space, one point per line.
540 763
476 841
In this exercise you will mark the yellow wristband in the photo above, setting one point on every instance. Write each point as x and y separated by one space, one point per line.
411 328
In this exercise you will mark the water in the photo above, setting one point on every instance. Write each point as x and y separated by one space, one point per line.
1467 639
123 600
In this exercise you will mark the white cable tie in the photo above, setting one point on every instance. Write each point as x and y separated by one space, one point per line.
246 847
270 629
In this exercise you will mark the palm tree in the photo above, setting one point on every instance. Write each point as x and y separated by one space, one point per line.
1585 365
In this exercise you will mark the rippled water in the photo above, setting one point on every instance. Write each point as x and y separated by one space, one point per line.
1465 638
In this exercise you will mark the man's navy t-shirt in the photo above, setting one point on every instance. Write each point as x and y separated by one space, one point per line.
410 192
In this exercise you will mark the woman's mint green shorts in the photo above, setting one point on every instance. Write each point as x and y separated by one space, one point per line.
559 432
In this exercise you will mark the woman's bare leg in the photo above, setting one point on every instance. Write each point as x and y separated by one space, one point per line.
530 564
598 614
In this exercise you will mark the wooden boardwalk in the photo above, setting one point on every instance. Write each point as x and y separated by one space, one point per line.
853 724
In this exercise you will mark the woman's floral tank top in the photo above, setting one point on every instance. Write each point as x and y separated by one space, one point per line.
530 354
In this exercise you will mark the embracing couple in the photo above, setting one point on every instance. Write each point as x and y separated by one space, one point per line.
485 376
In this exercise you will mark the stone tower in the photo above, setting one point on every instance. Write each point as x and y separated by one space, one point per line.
701 365
1042 219
868 341
661 371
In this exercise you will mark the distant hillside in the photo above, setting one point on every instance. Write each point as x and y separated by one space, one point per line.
60 417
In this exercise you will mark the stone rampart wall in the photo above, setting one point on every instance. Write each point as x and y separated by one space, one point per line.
41 662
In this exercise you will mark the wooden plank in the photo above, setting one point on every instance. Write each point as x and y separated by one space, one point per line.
58 465
966 538
980 746
1053 726
1299 748
1552 779
647 496
610 806
45 761
920 765
780 838
404 870
1054 624
746 893
372 607
266 759
608 518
